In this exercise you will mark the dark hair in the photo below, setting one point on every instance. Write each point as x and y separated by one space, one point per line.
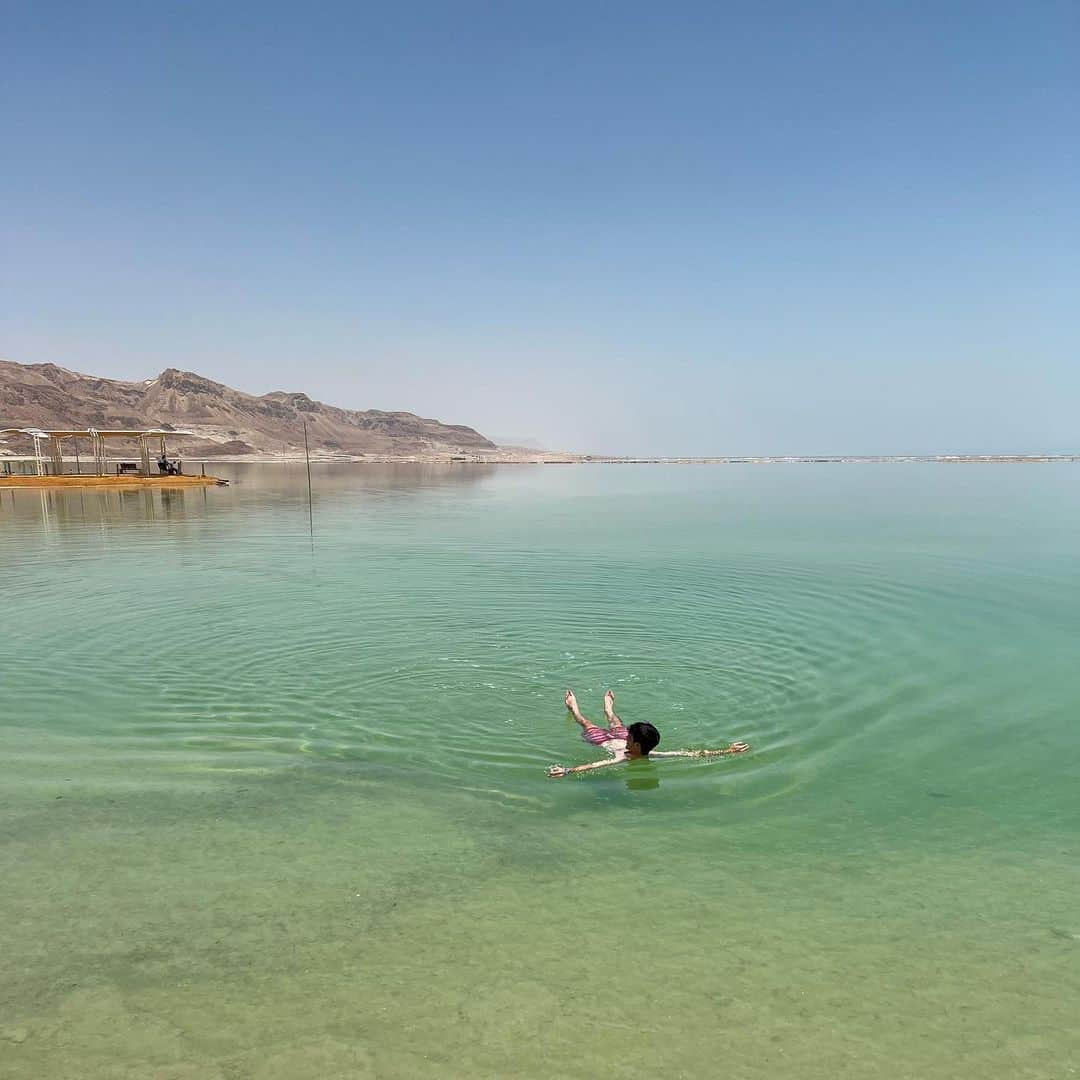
645 735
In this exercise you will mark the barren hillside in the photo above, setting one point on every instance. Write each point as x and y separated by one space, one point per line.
225 420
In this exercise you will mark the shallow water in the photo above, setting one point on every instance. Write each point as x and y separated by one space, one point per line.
275 807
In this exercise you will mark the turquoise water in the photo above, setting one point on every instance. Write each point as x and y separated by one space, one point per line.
273 807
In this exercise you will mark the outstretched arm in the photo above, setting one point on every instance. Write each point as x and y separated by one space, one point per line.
560 770
734 748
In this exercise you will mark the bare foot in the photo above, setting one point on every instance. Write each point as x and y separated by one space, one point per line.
571 702
609 704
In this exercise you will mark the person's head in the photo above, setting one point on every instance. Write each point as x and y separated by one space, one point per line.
640 739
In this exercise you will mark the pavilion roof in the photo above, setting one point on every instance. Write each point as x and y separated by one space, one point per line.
103 432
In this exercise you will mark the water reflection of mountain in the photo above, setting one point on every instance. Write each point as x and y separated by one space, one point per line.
252 487
350 478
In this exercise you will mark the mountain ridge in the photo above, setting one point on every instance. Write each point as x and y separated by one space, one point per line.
225 420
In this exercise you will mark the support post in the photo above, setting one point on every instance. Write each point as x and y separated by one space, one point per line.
310 511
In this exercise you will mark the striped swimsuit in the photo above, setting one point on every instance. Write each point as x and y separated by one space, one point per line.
600 735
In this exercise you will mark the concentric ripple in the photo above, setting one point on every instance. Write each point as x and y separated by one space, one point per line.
430 628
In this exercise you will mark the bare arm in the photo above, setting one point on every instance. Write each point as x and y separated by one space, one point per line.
559 770
734 748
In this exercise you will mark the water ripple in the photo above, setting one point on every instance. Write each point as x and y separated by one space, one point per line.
443 651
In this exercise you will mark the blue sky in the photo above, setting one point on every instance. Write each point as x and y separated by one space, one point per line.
633 228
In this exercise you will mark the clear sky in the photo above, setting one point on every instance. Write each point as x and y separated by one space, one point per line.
635 228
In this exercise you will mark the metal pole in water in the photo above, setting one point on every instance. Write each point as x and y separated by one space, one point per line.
311 516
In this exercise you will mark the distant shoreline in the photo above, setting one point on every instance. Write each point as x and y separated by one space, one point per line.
539 458
511 457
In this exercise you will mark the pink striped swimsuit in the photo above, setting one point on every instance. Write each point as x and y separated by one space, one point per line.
600 735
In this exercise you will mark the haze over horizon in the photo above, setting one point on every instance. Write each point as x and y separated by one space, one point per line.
705 230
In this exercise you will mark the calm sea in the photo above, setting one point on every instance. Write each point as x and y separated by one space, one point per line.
275 807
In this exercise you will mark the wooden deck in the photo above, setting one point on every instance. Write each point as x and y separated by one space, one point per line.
126 481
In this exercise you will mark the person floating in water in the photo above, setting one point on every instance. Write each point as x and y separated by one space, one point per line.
626 743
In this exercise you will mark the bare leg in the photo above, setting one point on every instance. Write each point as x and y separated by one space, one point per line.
572 705
609 710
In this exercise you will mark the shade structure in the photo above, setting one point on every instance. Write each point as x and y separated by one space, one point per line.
97 437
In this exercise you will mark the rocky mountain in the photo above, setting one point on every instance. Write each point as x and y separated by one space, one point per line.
225 420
